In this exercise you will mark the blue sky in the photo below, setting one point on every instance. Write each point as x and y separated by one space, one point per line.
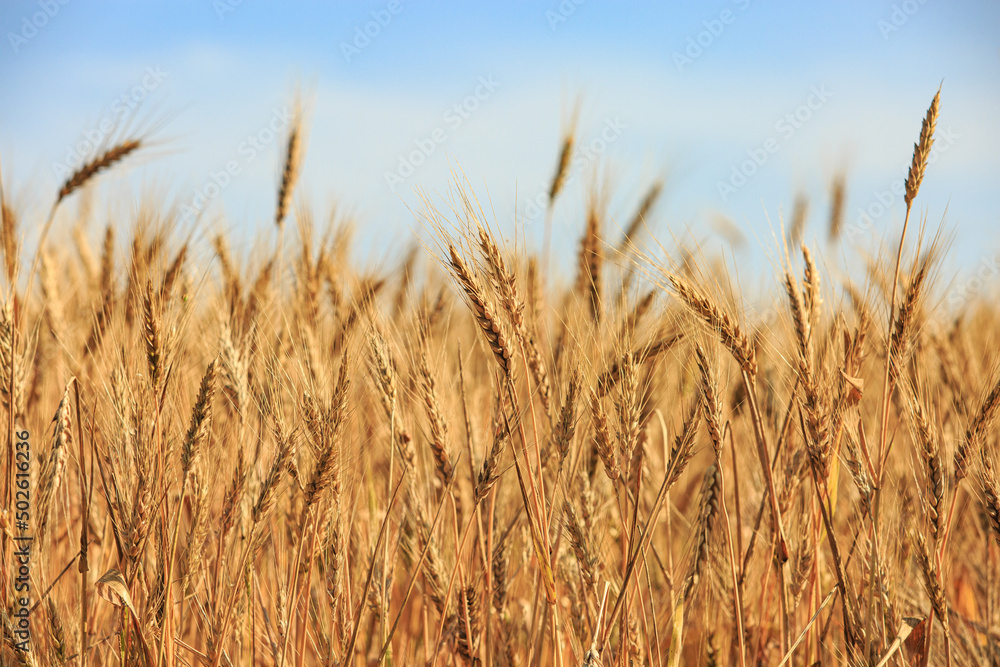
684 92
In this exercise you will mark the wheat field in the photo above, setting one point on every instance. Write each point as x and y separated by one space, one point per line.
291 458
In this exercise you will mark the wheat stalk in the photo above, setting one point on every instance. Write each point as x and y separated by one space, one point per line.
54 467
922 150
483 311
292 168
730 335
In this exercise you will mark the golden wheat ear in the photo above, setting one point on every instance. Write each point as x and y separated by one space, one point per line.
991 495
639 218
8 233
838 197
562 166
559 179
78 179
800 214
922 150
89 171
294 153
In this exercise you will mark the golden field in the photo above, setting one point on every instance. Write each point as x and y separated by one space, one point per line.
290 458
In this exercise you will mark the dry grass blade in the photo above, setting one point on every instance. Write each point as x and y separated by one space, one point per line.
905 629
113 588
